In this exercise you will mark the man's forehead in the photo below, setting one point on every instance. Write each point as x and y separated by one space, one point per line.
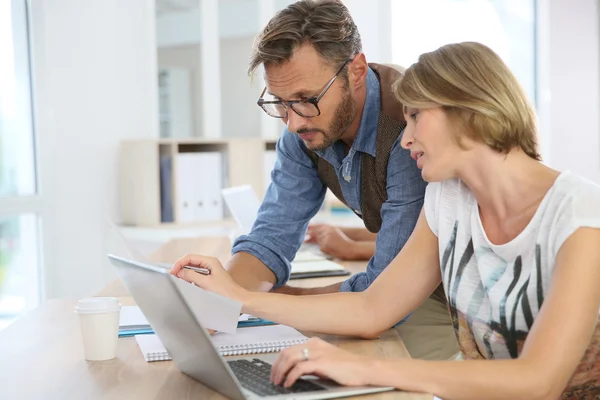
305 71
284 81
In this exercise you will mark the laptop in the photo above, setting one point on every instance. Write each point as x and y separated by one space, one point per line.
243 204
192 350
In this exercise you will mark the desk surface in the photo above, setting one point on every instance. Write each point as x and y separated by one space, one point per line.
42 354
220 247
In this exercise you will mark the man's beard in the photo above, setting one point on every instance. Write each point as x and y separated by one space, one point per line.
342 119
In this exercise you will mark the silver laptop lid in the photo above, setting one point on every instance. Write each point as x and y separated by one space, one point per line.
187 342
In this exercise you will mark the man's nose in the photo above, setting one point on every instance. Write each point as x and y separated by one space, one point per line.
294 121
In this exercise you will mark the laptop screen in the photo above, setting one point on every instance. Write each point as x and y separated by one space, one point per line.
243 204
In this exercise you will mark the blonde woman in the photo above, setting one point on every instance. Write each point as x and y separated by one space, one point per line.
515 243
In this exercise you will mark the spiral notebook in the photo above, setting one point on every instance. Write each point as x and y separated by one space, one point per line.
256 339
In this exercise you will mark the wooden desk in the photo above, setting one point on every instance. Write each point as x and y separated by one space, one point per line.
41 354
220 247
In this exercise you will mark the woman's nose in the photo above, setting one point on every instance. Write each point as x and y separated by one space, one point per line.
407 140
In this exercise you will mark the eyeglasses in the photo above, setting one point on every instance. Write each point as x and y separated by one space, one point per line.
307 108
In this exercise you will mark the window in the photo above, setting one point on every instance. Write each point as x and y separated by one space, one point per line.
20 288
506 26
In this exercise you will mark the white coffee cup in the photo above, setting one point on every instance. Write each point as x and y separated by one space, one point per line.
99 319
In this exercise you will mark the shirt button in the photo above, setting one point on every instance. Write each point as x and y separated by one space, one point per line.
347 178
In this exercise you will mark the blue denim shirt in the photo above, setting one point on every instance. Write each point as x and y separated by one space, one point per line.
296 194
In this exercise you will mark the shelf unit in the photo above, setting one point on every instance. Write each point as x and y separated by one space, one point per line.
140 171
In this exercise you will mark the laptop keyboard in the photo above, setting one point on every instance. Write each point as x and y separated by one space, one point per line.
255 374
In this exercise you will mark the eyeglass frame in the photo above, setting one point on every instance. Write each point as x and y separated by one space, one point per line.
314 100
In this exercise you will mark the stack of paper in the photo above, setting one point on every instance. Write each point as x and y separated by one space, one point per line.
133 322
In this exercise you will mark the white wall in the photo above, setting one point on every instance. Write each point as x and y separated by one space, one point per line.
569 40
240 114
94 69
374 23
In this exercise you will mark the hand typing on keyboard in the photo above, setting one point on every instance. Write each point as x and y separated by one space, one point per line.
317 357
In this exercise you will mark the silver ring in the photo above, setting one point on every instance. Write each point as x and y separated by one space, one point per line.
305 354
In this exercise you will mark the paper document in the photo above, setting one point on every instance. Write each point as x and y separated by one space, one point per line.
212 310
299 267
131 317
307 255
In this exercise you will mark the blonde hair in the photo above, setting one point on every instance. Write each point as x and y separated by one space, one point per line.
478 93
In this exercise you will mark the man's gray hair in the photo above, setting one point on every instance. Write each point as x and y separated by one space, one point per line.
326 24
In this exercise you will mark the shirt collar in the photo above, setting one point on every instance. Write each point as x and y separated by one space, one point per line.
366 138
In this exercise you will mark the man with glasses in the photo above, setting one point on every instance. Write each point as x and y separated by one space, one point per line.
342 131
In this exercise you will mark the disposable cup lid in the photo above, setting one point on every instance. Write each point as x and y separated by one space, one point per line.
97 305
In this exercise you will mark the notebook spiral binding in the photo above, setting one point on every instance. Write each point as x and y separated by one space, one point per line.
236 350
265 347
157 356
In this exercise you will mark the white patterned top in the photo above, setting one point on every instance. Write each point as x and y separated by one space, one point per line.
495 292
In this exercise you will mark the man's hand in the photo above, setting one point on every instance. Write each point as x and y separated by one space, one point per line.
331 240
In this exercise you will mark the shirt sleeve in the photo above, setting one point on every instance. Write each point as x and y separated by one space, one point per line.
399 214
294 196
578 208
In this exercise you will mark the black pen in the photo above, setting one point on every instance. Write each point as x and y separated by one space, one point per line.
200 270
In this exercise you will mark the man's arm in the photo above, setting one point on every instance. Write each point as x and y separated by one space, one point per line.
260 259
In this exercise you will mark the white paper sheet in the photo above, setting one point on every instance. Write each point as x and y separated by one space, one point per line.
132 317
212 310
315 266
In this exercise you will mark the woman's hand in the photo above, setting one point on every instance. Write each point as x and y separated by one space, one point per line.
317 357
219 281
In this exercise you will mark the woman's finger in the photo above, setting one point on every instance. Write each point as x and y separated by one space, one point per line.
290 357
193 277
300 369
193 260
284 363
